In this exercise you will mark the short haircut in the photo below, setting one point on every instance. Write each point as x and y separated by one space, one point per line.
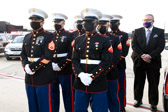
150 15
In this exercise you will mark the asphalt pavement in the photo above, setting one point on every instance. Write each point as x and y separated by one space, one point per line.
13 95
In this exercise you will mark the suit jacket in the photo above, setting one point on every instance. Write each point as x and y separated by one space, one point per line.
154 47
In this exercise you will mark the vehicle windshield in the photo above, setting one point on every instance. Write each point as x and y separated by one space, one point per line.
18 40
11 37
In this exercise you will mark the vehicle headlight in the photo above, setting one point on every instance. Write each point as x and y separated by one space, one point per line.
7 48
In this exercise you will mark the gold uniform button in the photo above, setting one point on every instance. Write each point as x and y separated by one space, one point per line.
88 42
87 51
96 48
88 38
33 69
61 67
96 72
40 64
34 35
37 32
32 47
91 34
87 46
56 40
31 55
54 55
36 66
92 76
86 56
32 42
79 48
100 69
109 68
31 51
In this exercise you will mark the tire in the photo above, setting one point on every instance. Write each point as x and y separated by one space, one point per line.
165 104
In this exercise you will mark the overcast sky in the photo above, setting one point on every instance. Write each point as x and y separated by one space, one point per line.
133 11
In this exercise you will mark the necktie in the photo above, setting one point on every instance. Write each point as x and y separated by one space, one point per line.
148 36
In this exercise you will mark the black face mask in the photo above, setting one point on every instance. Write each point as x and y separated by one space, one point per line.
114 27
103 29
89 26
35 25
57 27
79 27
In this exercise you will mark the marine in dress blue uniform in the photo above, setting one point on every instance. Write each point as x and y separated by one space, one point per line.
78 32
79 26
121 66
37 52
62 63
112 72
90 58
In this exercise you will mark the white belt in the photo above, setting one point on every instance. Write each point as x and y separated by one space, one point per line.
62 55
32 59
88 61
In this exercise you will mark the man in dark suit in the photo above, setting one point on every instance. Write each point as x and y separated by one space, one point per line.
148 42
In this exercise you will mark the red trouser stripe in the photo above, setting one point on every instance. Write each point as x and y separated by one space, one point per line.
124 89
72 95
117 95
49 97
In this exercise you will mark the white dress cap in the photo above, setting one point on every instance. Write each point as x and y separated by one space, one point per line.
34 12
105 17
78 18
59 16
88 12
116 17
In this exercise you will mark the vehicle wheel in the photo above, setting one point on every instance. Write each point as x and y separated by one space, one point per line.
8 58
165 104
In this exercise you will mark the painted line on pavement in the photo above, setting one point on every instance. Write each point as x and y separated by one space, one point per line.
14 77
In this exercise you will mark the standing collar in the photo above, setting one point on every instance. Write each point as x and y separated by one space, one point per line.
60 31
38 31
91 34
114 32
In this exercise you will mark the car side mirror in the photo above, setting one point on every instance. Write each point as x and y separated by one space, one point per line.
166 47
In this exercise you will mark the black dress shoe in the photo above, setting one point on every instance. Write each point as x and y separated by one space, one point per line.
137 104
122 110
153 108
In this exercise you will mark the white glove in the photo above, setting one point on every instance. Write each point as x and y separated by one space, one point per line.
55 67
28 70
85 78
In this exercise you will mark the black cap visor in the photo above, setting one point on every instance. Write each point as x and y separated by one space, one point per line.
90 18
37 17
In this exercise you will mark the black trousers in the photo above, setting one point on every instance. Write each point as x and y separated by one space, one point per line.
153 76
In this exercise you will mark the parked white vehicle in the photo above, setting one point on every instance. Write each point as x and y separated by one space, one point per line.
13 49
